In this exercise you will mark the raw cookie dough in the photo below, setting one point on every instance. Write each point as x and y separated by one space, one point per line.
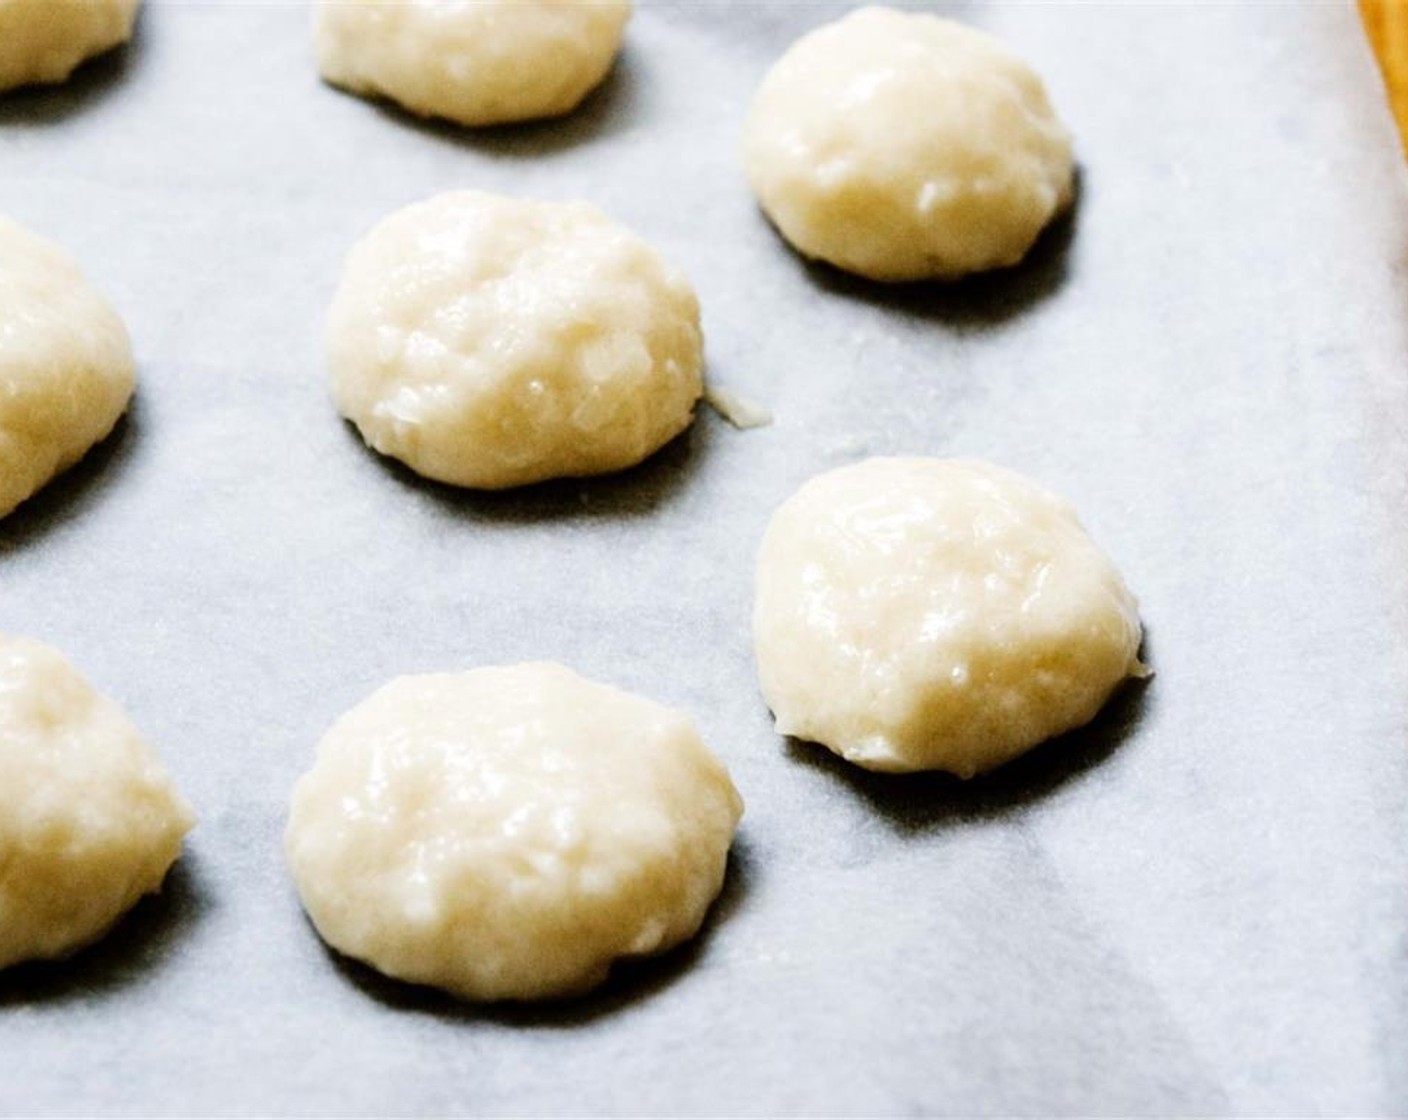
66 369
509 832
477 62
936 614
903 146
490 342
45 40
89 820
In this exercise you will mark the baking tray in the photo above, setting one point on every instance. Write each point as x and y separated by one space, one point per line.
1196 905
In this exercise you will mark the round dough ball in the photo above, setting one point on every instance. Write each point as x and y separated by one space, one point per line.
509 832
89 820
932 614
477 62
906 147
45 40
66 368
491 342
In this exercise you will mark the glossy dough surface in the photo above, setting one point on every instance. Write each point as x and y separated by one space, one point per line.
43 41
89 819
508 832
490 342
477 62
903 146
931 614
66 368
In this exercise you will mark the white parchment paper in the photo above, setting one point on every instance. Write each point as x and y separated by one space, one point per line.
1197 905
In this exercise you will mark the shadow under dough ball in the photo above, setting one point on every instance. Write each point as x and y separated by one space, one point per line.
66 366
44 41
936 614
89 820
509 832
475 62
491 342
902 146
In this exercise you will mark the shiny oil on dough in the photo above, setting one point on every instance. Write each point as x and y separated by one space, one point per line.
507 833
903 146
89 819
43 41
491 342
66 368
476 62
931 614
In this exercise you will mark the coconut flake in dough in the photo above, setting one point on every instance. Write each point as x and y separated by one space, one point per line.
89 819
932 614
476 62
904 146
508 833
66 368
491 342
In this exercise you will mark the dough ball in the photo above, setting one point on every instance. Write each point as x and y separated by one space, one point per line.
477 62
509 832
906 147
932 614
491 342
45 40
89 820
66 369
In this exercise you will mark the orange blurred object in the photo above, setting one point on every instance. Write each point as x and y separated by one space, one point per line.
1387 24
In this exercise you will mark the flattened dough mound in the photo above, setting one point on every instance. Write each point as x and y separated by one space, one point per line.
936 614
903 146
89 820
66 369
491 342
43 41
477 62
509 832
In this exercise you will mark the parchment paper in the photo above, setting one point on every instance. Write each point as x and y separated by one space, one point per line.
1197 905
